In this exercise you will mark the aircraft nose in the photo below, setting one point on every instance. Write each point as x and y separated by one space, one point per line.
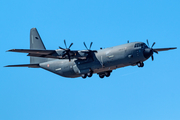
148 52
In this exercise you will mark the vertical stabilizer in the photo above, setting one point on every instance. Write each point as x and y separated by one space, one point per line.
36 43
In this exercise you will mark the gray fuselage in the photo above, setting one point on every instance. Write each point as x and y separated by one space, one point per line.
104 60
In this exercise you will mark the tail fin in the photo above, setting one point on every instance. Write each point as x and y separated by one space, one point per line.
36 43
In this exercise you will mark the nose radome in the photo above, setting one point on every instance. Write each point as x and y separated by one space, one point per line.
148 52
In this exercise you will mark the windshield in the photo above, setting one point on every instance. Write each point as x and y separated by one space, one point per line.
142 45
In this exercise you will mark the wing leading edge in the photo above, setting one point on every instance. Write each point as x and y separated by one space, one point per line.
164 49
24 65
33 51
38 53
56 54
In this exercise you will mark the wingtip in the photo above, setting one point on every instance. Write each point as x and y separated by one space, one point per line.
7 66
11 50
24 65
8 50
173 48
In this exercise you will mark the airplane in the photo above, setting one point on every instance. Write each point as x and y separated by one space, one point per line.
84 63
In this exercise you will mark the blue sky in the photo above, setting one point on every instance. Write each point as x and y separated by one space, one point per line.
130 93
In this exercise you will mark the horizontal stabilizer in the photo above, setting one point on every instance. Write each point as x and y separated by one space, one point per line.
24 65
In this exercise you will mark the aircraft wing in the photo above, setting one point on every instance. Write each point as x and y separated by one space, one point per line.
44 53
37 53
32 51
24 65
164 49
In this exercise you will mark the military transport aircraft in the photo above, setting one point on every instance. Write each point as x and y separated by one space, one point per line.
75 63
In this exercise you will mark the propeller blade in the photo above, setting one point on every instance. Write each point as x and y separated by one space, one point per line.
69 57
155 51
153 44
94 51
85 45
64 54
65 43
61 48
70 45
152 57
90 45
147 42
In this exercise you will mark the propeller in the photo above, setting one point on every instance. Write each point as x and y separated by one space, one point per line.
67 50
149 51
89 47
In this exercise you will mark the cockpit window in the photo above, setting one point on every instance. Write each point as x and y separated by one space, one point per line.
142 45
137 45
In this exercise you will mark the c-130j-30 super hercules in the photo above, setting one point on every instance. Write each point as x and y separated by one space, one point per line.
85 63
